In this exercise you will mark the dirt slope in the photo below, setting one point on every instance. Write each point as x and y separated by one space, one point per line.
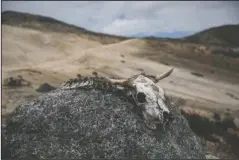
25 50
205 76
28 47
48 24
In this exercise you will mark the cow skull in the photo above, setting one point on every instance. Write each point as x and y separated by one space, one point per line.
148 96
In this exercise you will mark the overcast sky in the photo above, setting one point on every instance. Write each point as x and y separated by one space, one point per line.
158 18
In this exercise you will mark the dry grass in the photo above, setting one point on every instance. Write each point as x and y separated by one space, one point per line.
49 63
33 50
223 35
162 50
219 132
47 24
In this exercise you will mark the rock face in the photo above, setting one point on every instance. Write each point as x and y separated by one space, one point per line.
89 123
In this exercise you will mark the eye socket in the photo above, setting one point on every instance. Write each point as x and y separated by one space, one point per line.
167 116
141 97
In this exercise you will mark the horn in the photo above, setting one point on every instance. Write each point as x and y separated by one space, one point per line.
163 75
116 81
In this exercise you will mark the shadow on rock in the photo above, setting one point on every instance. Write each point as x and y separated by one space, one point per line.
45 87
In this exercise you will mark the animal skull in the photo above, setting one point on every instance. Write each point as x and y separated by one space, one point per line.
148 96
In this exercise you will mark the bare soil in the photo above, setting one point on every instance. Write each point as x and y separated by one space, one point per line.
53 57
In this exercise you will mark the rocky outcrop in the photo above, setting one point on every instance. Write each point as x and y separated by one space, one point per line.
90 123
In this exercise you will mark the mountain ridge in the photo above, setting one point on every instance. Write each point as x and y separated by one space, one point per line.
34 21
226 35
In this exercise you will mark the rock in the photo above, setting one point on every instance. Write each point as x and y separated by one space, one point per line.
82 124
45 87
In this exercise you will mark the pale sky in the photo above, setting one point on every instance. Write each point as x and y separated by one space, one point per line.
157 18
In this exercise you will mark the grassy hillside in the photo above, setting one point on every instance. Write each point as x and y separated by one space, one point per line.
50 24
215 47
227 35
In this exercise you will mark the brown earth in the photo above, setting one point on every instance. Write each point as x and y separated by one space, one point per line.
203 81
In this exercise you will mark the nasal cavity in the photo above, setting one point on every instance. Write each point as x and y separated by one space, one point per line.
141 97
166 115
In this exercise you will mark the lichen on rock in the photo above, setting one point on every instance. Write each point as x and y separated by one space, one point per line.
93 123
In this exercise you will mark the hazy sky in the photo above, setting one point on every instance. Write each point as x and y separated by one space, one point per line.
159 18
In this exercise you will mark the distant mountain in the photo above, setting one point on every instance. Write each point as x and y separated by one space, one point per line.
223 35
171 35
39 22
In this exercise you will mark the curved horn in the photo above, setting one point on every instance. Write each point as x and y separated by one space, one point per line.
116 81
163 75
